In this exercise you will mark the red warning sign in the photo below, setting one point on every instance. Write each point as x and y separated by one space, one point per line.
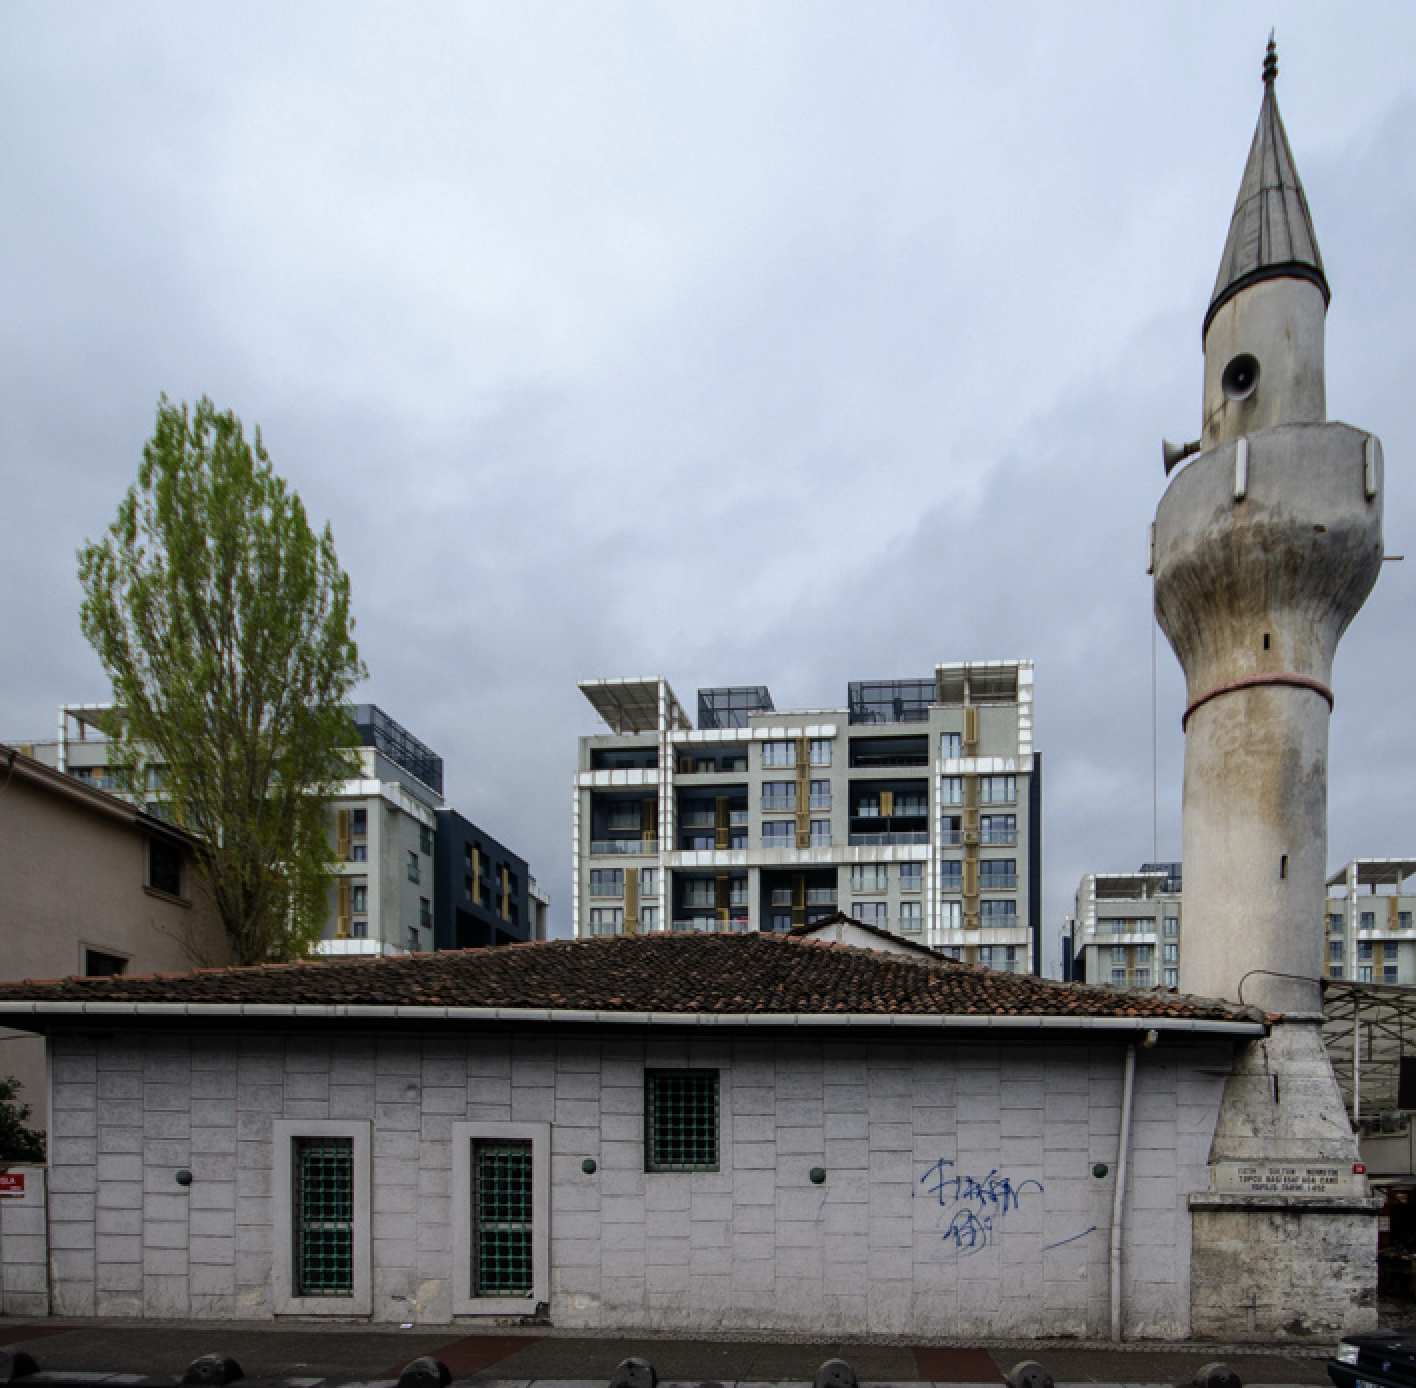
12 1183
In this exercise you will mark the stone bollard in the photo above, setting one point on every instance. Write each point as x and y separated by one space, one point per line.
1028 1374
634 1373
426 1372
15 1363
1217 1375
211 1371
836 1373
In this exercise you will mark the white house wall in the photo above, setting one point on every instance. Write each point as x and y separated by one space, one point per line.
959 1196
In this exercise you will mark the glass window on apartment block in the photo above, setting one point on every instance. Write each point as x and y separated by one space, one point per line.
1001 911
951 745
781 922
869 877
1403 920
870 913
1118 978
1142 978
324 1216
911 876
821 795
951 915
1335 950
951 790
779 795
1388 973
1364 973
358 852
164 867
1171 925
648 881
997 790
1368 920
680 1120
1335 924
625 814
1334 970
425 839
911 916
359 929
1143 954
1118 954
606 920
648 917
995 874
1365 949
606 881
778 754
821 833
413 873
359 824
502 1217
1172 978
779 833
820 751
1172 954
359 898
998 828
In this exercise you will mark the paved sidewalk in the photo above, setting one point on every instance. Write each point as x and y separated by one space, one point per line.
358 1354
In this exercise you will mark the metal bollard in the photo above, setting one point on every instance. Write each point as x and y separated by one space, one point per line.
836 1373
1217 1375
1028 1374
635 1373
211 1371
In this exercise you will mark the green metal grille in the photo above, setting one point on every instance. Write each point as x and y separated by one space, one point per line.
681 1120
501 1198
324 1216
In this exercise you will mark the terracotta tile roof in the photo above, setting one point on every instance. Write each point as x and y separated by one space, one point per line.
660 973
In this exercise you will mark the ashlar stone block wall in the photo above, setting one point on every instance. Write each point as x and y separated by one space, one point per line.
959 1195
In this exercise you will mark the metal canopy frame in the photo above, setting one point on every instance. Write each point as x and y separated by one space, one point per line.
1382 1018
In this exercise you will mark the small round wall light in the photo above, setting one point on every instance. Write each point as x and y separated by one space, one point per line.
818 1175
1101 1170
588 1166
184 1177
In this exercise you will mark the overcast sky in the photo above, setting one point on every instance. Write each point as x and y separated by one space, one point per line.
741 343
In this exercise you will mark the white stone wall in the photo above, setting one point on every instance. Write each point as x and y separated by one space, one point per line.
1011 1238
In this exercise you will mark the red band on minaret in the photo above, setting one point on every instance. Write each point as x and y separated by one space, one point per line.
1252 681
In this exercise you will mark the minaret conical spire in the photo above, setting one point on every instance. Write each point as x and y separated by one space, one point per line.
1271 233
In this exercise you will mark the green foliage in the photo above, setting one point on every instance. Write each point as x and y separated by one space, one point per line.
223 622
17 1142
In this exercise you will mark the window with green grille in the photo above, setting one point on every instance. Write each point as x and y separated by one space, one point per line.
681 1120
501 1206
324 1216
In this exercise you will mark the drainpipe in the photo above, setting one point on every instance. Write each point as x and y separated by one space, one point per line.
1118 1198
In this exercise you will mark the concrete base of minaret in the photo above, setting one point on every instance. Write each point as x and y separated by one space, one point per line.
1285 1240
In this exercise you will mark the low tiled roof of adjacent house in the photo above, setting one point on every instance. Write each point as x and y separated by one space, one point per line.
756 975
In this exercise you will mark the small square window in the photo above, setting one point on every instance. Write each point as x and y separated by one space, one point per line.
413 873
98 964
358 853
681 1120
425 839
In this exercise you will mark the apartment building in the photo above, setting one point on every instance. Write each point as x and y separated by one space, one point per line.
916 808
484 893
1127 929
386 818
1370 936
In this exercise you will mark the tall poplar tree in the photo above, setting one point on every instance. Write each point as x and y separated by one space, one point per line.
223 622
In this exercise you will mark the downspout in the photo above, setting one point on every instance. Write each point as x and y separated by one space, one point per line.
1118 1197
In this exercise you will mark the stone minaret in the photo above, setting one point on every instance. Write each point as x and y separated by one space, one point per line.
1266 544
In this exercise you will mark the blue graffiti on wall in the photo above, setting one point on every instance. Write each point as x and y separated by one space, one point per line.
975 1207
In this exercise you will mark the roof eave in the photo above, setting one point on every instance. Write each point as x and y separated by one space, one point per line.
49 1013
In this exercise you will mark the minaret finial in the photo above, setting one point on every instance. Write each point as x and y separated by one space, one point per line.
1270 61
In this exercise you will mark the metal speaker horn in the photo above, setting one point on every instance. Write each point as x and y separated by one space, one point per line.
1173 454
